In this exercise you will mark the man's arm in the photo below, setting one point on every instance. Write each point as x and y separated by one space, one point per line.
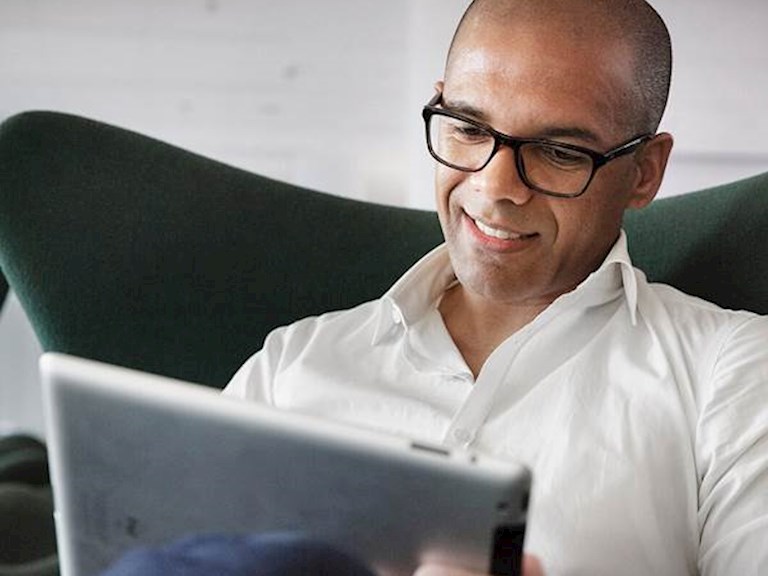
732 456
255 378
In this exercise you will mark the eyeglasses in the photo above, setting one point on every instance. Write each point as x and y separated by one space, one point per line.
553 168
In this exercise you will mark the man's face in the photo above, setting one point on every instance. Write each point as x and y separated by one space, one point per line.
507 243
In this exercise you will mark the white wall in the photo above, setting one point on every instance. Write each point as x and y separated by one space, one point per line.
719 90
327 94
305 91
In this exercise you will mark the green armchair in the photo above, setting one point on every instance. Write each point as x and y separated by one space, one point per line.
27 537
3 289
130 251
134 252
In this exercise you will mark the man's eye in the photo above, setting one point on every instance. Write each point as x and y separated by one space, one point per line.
468 133
562 157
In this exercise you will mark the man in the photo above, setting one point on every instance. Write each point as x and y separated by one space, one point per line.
640 410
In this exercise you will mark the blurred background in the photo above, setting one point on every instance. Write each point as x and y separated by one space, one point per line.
327 94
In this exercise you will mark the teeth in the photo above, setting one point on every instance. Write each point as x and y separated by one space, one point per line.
496 233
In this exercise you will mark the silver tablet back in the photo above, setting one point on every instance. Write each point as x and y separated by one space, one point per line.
138 459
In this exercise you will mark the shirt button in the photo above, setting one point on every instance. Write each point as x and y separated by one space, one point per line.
463 435
397 318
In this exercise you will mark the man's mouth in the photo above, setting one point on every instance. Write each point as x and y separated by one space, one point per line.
498 233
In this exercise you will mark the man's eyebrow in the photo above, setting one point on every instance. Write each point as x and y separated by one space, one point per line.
466 109
551 133
574 132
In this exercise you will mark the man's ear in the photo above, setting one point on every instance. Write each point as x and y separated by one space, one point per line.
651 163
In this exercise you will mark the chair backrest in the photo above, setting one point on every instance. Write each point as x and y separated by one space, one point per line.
710 243
134 252
3 289
130 251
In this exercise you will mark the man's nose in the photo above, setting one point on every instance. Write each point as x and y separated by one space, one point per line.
500 179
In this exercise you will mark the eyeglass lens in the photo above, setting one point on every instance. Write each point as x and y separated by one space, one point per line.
548 167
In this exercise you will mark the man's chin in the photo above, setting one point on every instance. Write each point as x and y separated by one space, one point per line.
496 287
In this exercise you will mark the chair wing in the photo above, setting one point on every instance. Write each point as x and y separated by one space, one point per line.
134 252
712 244
3 289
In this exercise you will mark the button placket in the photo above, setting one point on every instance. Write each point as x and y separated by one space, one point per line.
472 415
466 425
463 437
499 367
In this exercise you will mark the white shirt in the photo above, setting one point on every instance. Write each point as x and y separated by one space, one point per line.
642 412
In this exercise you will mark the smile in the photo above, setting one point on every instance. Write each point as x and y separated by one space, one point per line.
495 232
498 233
497 239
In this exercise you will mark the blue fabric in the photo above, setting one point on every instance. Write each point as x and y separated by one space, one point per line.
245 555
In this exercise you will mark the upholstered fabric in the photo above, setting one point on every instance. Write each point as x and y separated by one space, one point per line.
27 534
711 243
124 249
134 252
27 531
3 289
23 460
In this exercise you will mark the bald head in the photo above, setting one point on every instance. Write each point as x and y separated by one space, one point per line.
630 24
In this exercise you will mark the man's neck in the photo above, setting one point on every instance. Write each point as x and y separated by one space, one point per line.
478 326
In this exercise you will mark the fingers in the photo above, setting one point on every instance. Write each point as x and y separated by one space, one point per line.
531 567
437 570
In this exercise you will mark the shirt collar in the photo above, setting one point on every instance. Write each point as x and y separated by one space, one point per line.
619 256
420 288
615 275
415 293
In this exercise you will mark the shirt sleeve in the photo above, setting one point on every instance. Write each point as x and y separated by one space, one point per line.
254 380
732 446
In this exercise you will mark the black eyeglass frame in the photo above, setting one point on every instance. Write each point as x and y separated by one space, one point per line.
500 139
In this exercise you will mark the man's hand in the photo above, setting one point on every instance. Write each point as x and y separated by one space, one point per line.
531 567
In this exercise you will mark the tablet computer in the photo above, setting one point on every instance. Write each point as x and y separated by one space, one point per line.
142 460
